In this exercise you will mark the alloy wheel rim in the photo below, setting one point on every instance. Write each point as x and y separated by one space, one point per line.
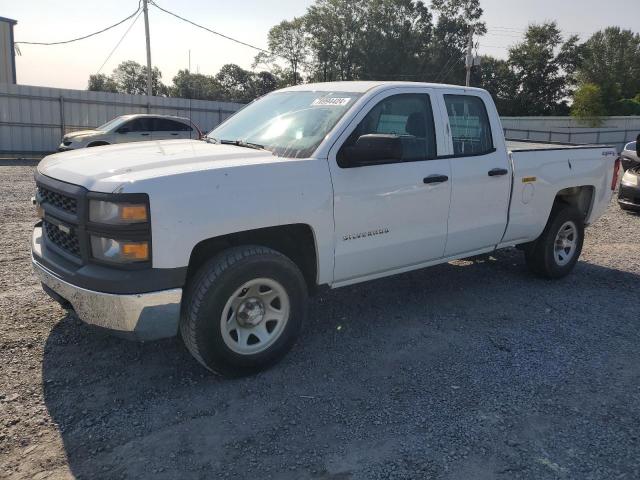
565 244
255 316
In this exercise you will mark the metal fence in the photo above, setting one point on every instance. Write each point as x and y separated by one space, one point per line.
616 138
34 119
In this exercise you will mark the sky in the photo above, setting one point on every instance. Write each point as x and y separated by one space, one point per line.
69 66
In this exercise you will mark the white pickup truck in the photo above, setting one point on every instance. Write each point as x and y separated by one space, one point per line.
318 184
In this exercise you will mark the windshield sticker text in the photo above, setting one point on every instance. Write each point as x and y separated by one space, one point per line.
331 102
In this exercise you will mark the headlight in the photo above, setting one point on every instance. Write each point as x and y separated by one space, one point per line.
117 213
119 251
630 178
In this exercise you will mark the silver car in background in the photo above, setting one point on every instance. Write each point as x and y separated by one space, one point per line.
629 156
132 128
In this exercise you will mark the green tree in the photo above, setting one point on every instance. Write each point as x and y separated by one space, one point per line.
288 41
263 83
456 18
611 59
131 77
543 85
374 39
497 77
588 104
196 85
334 28
235 83
468 11
395 38
101 83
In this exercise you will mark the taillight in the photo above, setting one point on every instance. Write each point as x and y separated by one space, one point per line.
616 172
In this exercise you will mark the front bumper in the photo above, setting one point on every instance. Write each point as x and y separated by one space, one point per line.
144 316
139 316
629 196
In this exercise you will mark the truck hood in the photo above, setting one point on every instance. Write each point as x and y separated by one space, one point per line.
105 169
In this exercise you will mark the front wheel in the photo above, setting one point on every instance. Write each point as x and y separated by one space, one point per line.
556 251
243 310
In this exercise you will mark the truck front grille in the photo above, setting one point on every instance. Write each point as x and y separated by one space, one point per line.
58 200
68 242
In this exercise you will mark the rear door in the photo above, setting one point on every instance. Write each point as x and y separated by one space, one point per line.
480 173
167 129
136 130
391 216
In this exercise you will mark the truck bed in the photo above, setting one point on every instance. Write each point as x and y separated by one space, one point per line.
529 145
541 170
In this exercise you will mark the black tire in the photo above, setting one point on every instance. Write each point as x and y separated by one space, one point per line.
213 286
97 144
541 255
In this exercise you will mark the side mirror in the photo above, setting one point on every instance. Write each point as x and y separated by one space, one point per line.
124 130
371 149
638 145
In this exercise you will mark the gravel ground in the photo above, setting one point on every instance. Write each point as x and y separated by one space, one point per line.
470 370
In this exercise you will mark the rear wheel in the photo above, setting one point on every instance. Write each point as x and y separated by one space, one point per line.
556 251
243 310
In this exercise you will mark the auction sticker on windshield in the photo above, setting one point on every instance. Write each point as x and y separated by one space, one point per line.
336 102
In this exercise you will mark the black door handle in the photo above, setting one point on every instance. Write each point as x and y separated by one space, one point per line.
174 134
435 179
496 172
144 134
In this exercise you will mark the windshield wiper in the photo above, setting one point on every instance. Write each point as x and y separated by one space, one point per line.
242 143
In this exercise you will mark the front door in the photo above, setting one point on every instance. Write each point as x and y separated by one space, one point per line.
392 215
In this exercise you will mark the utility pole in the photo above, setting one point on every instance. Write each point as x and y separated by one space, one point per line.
146 32
469 59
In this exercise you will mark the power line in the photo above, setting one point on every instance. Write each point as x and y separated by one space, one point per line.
208 29
85 36
119 42
442 74
501 34
494 46
516 30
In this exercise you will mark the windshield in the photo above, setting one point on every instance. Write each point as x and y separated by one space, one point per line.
111 124
289 124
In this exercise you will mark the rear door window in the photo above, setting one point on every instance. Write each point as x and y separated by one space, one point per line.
167 125
469 123
140 125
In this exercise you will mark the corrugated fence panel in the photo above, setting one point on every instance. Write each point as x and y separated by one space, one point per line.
33 119
616 131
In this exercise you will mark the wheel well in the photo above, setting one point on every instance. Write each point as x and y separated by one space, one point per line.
97 143
579 197
296 241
